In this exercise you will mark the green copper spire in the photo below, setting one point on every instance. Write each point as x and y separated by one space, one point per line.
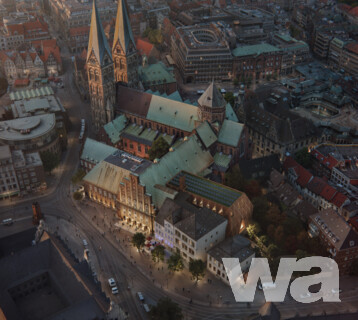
123 31
97 39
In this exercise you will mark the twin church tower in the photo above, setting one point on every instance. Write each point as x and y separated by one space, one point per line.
105 67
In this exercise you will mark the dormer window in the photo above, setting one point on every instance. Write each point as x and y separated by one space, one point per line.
351 243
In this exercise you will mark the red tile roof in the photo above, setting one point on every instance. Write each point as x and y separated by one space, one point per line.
15 29
316 185
329 161
289 163
303 175
21 82
144 47
328 192
339 199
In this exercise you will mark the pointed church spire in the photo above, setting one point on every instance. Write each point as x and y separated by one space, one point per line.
212 97
97 43
123 31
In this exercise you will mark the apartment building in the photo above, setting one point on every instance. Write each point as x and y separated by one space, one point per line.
340 240
236 247
256 62
189 229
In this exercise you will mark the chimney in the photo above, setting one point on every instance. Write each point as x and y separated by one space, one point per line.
182 183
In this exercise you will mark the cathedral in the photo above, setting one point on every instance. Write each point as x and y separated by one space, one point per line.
106 66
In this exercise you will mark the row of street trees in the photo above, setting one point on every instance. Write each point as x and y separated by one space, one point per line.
175 262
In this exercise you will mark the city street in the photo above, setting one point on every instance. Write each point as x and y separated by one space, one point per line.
110 251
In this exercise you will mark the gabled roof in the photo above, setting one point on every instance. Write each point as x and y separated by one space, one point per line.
115 127
328 192
230 114
97 42
144 47
123 32
172 113
206 134
212 97
95 151
230 133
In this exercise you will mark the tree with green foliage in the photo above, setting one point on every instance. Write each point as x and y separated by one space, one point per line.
175 262
197 269
229 97
77 195
78 176
158 253
49 160
253 230
303 157
154 35
138 240
166 309
159 148
234 179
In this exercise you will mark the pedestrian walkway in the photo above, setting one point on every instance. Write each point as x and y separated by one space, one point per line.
208 291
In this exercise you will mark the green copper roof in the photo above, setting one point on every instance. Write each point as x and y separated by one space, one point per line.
114 128
97 41
173 96
31 93
206 134
255 49
123 31
172 113
222 160
156 73
230 114
188 156
230 133
95 151
206 188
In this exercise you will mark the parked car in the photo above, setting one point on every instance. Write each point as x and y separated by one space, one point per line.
7 222
140 296
115 290
112 282
85 243
146 307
